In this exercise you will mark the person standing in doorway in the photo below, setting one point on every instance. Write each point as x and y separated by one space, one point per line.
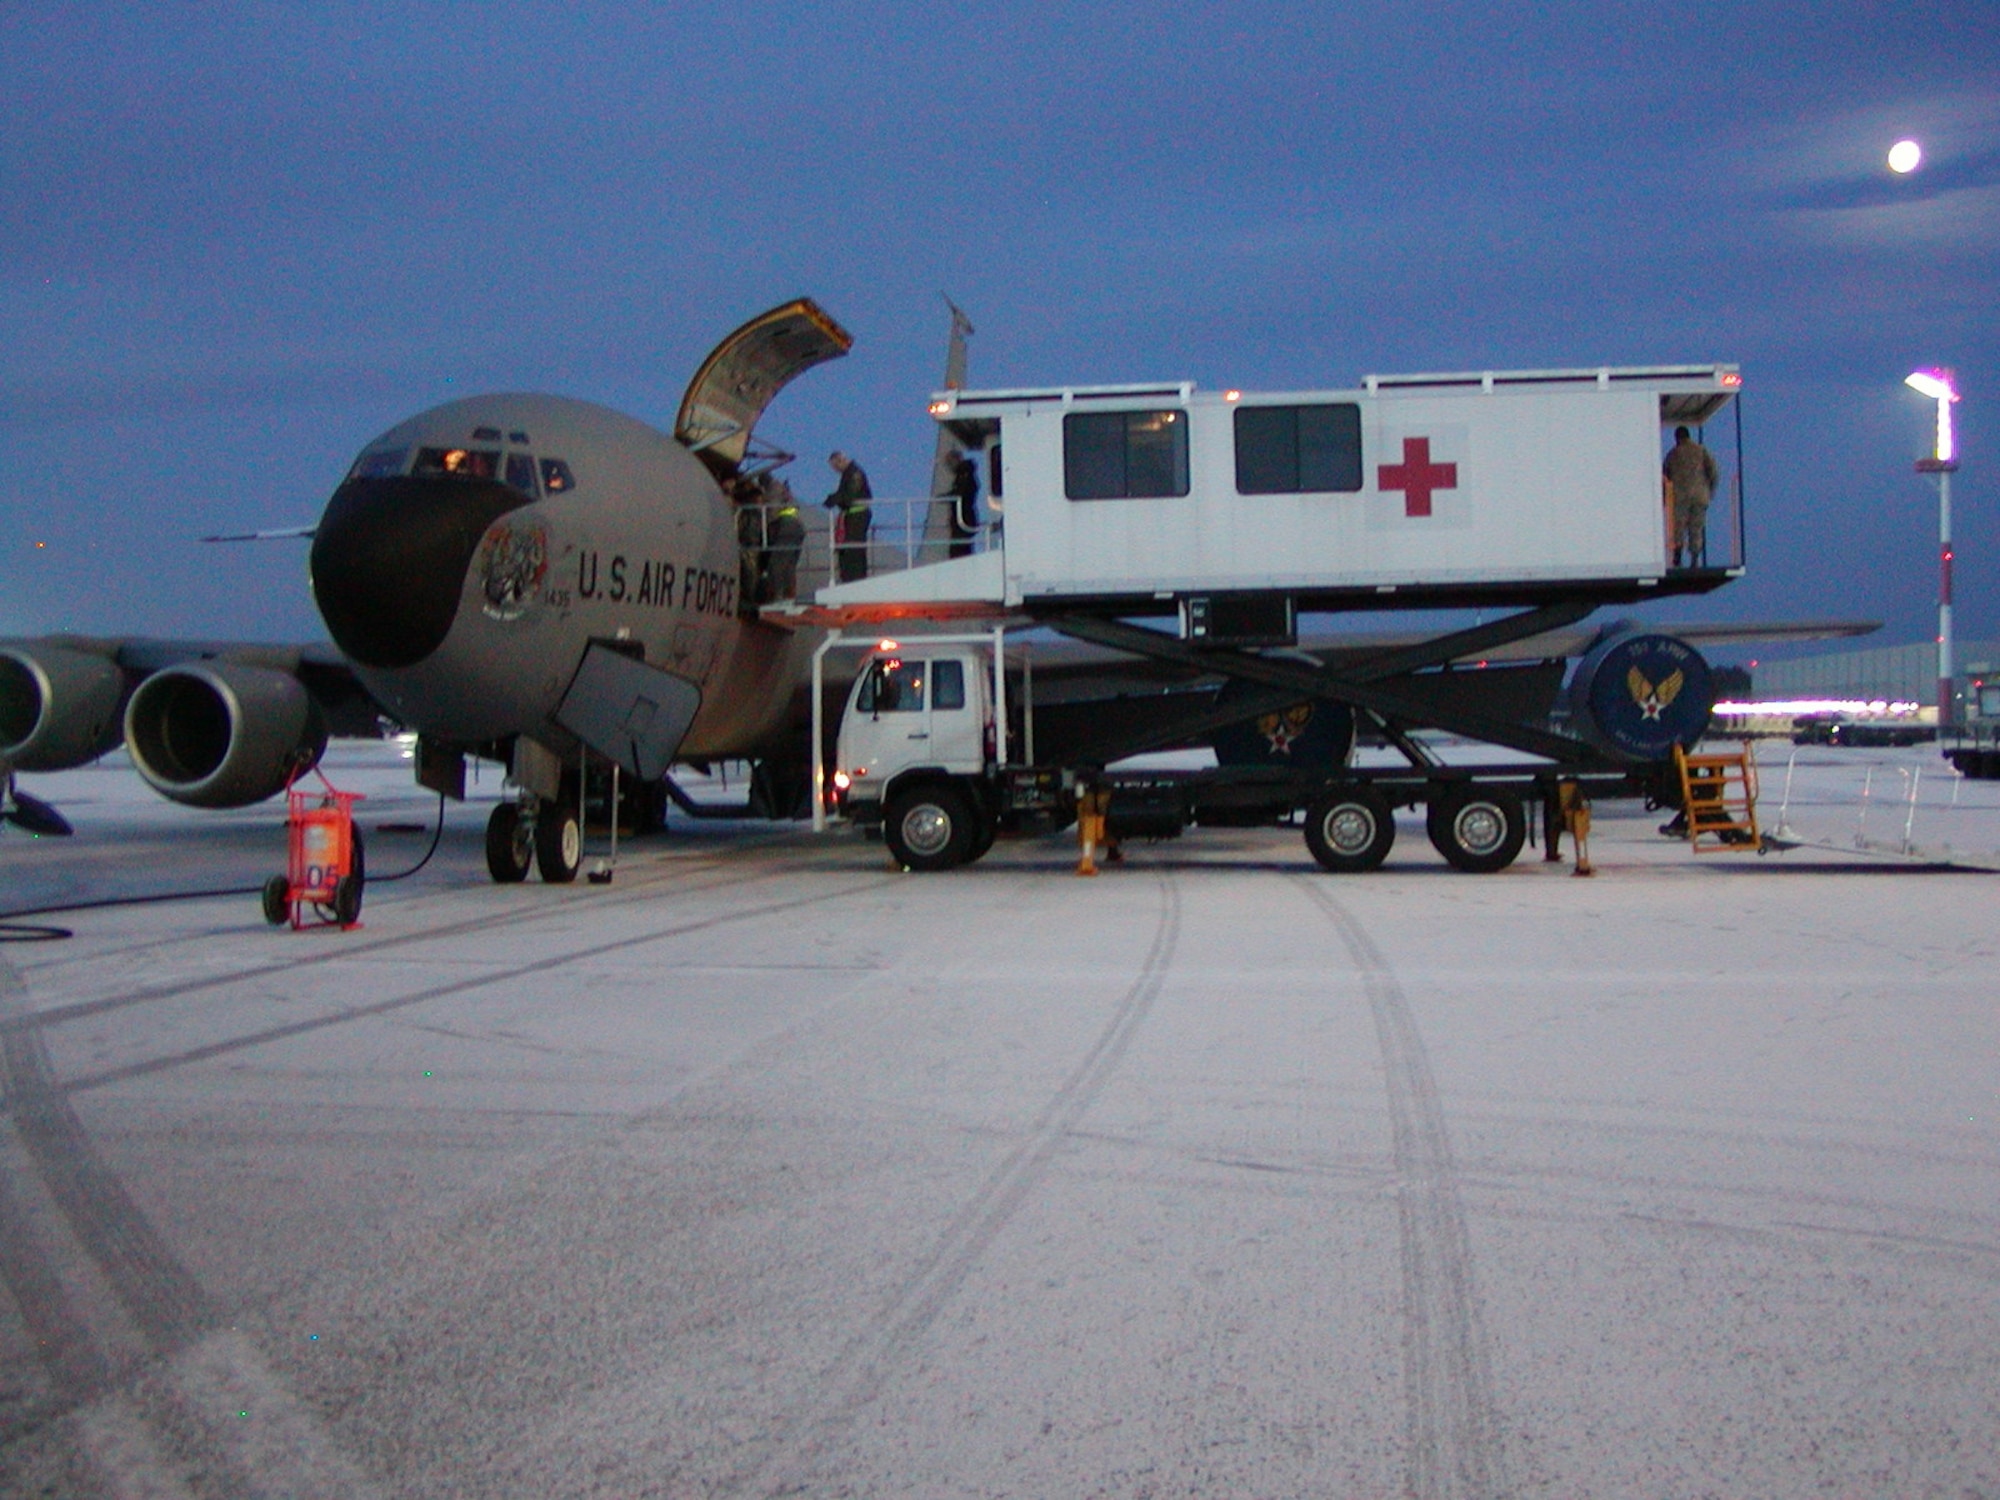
1690 469
964 504
851 515
787 535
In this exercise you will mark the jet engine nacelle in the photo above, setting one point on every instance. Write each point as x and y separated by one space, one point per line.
58 707
1637 694
222 734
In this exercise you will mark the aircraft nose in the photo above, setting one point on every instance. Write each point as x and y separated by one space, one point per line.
389 560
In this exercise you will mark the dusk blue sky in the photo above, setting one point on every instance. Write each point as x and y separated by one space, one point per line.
238 242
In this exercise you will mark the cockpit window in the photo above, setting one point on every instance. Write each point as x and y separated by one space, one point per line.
464 463
521 472
556 477
380 464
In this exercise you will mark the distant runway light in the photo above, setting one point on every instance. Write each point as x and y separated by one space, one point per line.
1904 156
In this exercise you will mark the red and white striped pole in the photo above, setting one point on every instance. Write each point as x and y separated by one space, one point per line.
1941 387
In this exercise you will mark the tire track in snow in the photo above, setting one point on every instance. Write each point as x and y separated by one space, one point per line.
364 944
73 1365
1452 1427
857 1374
251 1427
550 962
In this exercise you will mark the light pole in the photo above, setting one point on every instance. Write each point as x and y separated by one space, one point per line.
1938 385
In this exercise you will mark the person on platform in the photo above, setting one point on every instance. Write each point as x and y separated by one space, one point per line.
1690 469
787 534
851 515
964 504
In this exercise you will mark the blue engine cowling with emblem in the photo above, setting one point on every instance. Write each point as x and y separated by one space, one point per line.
1638 694
1310 735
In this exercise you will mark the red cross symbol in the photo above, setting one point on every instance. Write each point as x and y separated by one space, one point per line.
1416 476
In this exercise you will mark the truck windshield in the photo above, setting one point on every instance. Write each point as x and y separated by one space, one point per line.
892 687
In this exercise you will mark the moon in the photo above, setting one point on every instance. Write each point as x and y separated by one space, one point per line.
1904 156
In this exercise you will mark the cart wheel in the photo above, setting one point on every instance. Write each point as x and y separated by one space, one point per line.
509 851
347 899
1349 829
558 846
1478 829
277 900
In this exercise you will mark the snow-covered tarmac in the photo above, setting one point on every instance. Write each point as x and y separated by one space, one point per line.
766 1169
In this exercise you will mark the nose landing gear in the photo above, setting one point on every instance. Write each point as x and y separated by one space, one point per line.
534 832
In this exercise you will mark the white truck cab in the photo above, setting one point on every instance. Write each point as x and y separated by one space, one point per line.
916 741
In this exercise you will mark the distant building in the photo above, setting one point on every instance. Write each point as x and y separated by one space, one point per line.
1905 674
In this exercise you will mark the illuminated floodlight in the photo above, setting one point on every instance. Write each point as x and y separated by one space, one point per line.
1937 385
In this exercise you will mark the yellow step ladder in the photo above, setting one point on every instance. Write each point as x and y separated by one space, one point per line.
1719 795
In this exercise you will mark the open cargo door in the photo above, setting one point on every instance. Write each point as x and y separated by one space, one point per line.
735 383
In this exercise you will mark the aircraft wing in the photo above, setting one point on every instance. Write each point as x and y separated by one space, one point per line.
736 382
1065 669
1575 640
207 723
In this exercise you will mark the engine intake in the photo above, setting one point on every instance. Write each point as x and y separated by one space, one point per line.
221 734
59 707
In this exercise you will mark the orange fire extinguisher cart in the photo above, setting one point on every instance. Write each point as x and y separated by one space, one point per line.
325 869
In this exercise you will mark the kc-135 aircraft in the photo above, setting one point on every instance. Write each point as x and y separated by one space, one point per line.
527 578
512 576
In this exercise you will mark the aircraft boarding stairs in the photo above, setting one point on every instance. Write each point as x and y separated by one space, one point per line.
1719 797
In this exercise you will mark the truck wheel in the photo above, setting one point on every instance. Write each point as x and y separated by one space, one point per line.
509 848
929 828
1350 828
558 845
1478 829
277 900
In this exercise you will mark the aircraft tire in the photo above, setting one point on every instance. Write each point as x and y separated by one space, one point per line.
929 827
1350 829
509 849
1478 829
558 845
277 900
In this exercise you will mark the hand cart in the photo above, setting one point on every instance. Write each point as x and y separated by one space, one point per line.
326 866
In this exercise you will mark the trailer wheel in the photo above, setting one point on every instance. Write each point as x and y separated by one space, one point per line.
1478 829
509 848
929 828
558 845
1350 829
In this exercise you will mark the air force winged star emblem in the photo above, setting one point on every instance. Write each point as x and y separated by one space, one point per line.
1279 730
1653 700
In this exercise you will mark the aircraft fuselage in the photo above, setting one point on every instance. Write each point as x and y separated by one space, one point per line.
477 550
